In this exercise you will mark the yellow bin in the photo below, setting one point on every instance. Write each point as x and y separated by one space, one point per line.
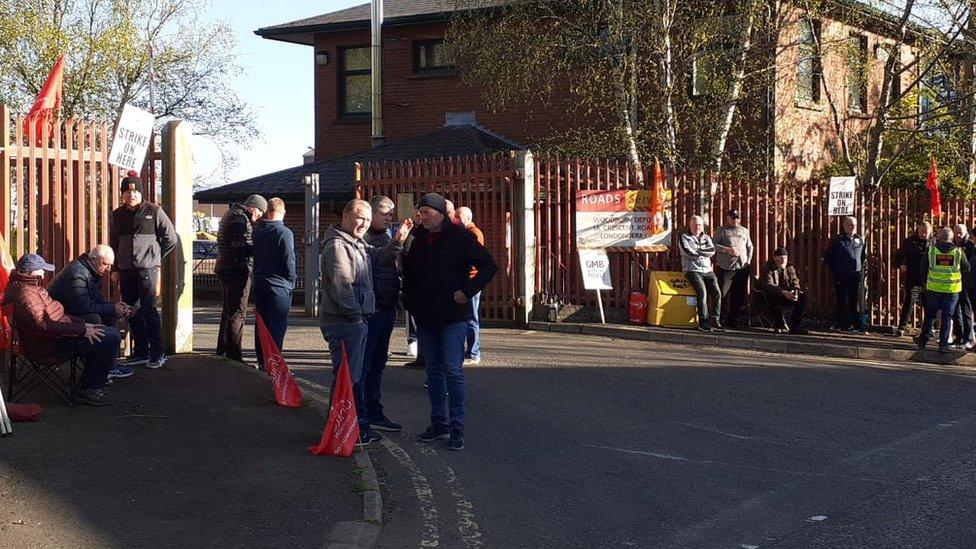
671 301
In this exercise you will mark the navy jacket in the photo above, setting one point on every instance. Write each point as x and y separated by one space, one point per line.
386 276
845 255
274 256
79 289
433 271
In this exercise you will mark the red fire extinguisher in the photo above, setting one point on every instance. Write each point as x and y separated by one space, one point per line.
637 311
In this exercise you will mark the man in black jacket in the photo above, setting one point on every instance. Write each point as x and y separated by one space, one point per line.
233 270
274 274
962 317
908 259
845 258
78 287
141 235
437 290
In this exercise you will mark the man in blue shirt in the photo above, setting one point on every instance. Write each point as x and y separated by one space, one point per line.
274 273
845 259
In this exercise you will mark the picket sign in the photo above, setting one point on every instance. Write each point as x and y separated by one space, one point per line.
596 274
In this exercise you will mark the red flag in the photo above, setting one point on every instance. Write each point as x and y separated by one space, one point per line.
342 429
286 391
6 266
47 103
932 184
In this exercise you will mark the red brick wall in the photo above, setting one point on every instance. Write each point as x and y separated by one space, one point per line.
413 104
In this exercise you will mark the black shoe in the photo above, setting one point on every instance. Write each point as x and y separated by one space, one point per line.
384 424
92 397
456 442
134 360
434 432
943 347
899 332
718 327
366 436
704 327
921 342
415 364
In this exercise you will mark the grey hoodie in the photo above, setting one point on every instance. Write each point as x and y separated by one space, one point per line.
696 253
347 279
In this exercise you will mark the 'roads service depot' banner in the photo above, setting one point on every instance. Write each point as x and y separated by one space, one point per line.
632 220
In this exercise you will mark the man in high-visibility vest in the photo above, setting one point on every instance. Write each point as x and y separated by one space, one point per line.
945 263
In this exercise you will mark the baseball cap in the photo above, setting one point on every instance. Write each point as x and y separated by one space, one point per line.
32 262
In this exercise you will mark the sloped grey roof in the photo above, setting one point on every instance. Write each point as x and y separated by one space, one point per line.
337 175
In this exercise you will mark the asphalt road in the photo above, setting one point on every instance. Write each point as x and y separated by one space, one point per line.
576 441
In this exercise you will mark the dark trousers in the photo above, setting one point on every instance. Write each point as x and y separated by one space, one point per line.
845 290
913 295
709 297
353 337
379 328
733 285
962 318
106 320
778 306
935 302
138 289
234 290
273 304
98 357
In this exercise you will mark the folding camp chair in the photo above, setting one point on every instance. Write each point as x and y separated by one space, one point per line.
61 373
759 308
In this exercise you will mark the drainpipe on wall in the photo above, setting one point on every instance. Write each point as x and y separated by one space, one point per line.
376 24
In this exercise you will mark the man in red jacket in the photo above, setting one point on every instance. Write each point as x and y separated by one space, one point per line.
47 332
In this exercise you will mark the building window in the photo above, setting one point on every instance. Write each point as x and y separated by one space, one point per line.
354 81
432 55
808 66
857 73
709 69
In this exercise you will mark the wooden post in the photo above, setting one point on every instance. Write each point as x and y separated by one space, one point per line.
523 236
5 195
178 266
312 225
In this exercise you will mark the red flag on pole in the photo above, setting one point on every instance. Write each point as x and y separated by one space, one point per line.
342 428
47 103
932 184
286 390
6 266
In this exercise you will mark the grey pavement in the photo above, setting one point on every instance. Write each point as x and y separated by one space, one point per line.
581 440
192 455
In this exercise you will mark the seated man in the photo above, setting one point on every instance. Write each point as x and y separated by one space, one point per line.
78 287
47 332
781 285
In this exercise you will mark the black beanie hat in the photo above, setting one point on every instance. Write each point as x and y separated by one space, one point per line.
132 183
434 200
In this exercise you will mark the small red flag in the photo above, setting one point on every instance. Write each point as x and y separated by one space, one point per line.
342 428
932 184
47 103
286 390
6 266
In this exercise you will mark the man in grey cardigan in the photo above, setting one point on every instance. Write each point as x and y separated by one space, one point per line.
347 298
733 255
697 250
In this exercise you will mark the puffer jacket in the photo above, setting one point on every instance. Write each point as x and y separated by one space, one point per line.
141 237
234 242
39 319
79 289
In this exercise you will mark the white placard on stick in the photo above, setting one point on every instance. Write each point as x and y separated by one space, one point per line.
131 139
841 197
595 266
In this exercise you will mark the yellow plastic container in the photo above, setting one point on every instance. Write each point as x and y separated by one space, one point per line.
671 301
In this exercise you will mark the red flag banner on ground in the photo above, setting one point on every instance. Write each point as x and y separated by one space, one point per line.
6 266
342 428
48 102
932 184
286 390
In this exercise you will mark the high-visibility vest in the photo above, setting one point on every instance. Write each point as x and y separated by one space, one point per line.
945 275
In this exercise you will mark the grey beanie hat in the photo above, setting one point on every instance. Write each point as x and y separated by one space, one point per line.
434 200
256 201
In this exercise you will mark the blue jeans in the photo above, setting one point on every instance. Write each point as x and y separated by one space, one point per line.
379 327
442 348
138 289
938 301
273 304
473 337
354 336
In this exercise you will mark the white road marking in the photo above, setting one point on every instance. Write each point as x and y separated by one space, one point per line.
747 546
817 518
947 423
716 431
430 536
467 526
727 464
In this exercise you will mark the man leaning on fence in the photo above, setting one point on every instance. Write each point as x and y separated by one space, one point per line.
697 250
845 257
48 333
909 259
733 254
233 270
945 264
